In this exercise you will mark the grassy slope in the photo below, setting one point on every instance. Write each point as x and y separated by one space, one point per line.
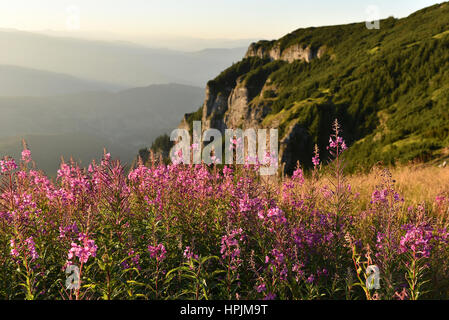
389 88
417 183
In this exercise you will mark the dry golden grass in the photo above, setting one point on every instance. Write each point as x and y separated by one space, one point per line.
416 183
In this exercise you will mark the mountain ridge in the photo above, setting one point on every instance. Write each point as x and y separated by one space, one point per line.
20 81
388 88
123 64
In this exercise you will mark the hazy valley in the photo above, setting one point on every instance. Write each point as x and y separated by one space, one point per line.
82 124
73 97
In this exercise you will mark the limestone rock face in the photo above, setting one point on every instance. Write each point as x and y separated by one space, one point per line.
292 53
230 107
214 107
238 107
241 112
232 111
295 139
184 123
233 108
260 51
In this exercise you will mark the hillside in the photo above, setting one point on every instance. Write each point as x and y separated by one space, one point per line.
389 88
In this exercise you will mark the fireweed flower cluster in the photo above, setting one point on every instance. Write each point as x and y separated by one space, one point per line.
230 248
7 165
381 196
27 249
420 239
316 157
84 250
188 254
338 142
26 155
249 238
133 260
157 252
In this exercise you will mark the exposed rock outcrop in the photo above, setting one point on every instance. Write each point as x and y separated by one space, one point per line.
185 122
293 141
290 54
232 107
214 107
241 113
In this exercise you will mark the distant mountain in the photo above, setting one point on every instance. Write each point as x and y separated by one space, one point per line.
179 43
122 122
19 81
389 88
119 63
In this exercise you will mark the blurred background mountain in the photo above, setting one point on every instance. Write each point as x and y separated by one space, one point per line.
72 97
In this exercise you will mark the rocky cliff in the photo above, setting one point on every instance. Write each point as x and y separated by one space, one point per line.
293 53
241 105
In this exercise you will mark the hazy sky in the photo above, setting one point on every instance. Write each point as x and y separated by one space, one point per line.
234 19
